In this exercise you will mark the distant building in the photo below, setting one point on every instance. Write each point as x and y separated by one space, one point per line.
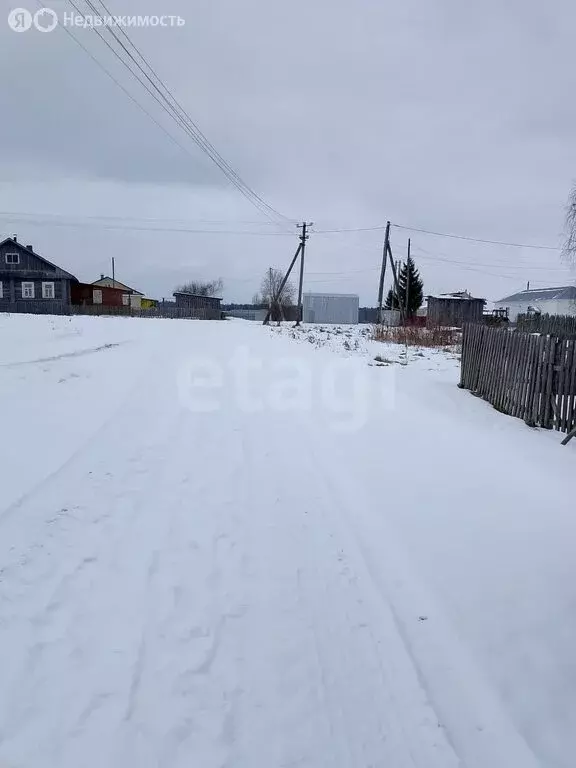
338 308
203 307
453 310
31 283
554 301
132 298
256 314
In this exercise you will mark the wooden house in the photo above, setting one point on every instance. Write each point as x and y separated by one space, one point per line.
31 283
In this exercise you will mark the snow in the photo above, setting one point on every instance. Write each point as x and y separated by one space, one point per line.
229 545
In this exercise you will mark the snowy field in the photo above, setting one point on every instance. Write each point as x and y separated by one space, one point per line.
230 546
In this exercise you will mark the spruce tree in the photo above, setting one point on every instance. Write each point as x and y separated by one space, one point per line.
410 276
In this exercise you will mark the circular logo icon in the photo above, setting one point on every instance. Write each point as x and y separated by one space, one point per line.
20 20
45 20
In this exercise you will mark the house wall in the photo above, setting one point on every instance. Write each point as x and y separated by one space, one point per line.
552 307
330 308
29 263
83 295
453 313
13 301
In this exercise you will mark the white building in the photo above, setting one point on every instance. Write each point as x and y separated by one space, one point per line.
330 308
554 301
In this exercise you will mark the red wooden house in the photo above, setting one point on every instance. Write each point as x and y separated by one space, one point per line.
88 295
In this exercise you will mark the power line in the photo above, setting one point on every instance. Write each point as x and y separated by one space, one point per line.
122 88
177 113
73 225
346 229
436 234
423 253
477 239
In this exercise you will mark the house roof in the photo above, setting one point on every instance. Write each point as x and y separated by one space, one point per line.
15 244
117 284
542 294
195 295
452 297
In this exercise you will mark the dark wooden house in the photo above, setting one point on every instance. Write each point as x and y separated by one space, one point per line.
31 283
453 310
203 307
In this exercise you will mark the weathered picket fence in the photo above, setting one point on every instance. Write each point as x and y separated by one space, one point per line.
557 325
532 377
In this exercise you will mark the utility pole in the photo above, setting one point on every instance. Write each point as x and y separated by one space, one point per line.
407 285
113 274
303 237
395 278
283 283
383 272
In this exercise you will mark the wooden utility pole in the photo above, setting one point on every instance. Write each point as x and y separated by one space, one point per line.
407 285
303 238
113 274
395 278
383 271
283 283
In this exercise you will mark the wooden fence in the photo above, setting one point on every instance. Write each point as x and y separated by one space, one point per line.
532 377
161 311
558 325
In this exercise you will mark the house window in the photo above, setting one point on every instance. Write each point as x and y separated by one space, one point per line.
126 299
47 290
96 296
27 290
1 289
12 258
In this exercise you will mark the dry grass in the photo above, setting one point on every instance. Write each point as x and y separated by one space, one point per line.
419 337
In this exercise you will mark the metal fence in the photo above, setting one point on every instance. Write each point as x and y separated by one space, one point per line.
532 377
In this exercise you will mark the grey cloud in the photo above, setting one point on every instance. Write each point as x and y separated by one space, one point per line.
450 116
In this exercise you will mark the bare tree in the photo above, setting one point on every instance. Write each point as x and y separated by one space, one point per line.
569 249
270 293
203 287
270 287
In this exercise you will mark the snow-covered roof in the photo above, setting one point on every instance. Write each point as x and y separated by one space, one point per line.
453 297
542 294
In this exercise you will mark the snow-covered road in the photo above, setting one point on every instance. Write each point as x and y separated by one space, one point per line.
219 547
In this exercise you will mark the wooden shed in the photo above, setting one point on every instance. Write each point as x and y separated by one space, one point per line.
453 310
203 307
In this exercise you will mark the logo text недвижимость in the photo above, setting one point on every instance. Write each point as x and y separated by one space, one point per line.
46 20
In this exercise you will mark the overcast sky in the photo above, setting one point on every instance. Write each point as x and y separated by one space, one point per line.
438 114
